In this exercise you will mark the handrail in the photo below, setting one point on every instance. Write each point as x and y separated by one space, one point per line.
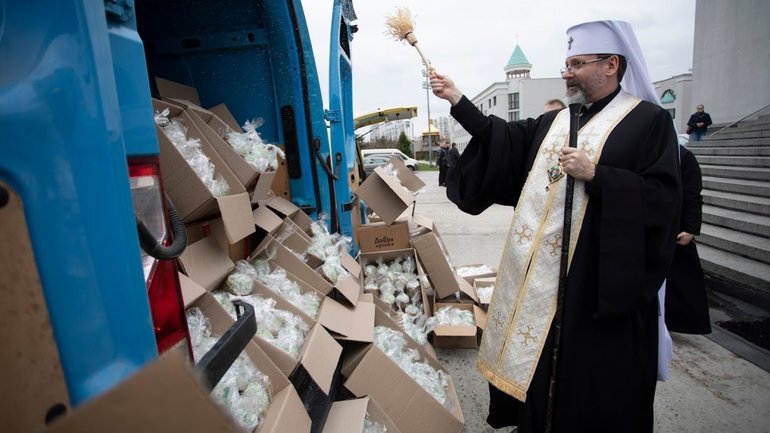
739 120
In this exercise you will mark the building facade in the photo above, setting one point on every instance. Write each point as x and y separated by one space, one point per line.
518 97
675 95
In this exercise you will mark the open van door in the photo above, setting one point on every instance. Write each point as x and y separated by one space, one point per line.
340 114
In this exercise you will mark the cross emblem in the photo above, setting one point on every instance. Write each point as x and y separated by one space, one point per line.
526 333
569 43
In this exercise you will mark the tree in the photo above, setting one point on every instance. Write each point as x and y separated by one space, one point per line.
405 145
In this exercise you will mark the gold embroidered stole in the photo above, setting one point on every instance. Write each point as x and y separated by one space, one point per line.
524 300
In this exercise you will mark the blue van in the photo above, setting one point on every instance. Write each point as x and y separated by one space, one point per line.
89 277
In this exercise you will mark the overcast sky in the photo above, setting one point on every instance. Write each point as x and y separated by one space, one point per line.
472 40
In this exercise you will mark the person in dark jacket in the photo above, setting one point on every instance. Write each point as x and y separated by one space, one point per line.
441 161
698 123
452 156
687 310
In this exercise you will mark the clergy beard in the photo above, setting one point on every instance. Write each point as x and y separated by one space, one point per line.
582 93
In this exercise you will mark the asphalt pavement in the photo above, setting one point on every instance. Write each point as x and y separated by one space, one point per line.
717 382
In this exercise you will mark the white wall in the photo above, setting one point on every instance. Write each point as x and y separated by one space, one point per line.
731 57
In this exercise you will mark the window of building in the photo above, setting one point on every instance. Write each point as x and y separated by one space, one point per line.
513 116
513 101
494 100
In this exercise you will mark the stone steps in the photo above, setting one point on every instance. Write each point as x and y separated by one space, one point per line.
740 202
735 268
734 243
736 161
699 151
742 244
754 224
748 173
738 186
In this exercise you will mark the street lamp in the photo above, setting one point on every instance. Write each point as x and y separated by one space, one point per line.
426 86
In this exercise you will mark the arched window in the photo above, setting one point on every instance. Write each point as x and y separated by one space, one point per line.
668 97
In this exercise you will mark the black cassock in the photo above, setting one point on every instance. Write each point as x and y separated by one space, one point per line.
608 352
687 310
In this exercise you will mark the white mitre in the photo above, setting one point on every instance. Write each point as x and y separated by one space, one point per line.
614 37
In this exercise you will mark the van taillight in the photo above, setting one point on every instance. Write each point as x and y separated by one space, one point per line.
160 276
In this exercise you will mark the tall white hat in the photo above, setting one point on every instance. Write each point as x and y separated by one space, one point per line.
614 37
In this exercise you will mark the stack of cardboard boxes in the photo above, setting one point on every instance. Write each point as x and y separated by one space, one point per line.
339 376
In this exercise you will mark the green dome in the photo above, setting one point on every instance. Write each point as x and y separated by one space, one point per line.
518 59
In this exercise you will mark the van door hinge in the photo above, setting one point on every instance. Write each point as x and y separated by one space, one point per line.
332 115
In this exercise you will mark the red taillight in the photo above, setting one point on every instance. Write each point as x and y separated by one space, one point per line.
163 288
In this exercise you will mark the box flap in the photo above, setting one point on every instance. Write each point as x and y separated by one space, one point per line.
206 263
406 176
441 275
236 216
282 206
264 186
351 264
266 219
226 116
481 317
287 260
350 324
287 414
466 288
164 396
480 283
171 89
321 356
191 290
385 195
349 287
347 416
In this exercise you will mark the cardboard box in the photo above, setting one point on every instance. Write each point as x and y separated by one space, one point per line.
472 272
388 257
224 113
375 237
409 406
484 282
286 412
164 396
348 416
347 288
171 89
266 220
206 263
192 199
285 208
442 277
387 195
457 337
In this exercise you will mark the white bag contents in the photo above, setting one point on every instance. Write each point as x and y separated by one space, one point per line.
243 390
263 157
393 344
191 150
372 427
280 328
454 317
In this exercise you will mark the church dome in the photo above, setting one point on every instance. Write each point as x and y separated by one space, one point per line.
518 66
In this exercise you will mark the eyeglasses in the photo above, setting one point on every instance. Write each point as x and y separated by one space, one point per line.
573 67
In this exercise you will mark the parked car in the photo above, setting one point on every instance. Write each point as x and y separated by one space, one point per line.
373 161
411 163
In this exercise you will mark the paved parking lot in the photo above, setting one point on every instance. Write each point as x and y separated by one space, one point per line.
711 388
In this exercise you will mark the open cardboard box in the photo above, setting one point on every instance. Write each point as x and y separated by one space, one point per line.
390 196
192 199
347 288
348 416
376 237
412 409
484 282
442 277
286 412
164 396
215 130
459 337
